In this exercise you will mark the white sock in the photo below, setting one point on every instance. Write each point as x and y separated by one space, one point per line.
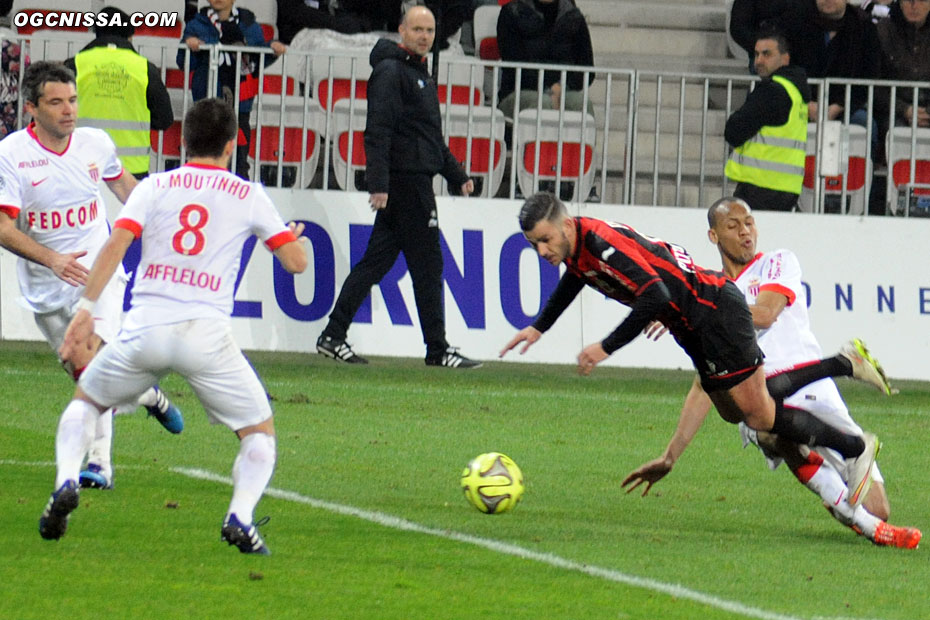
102 444
251 473
75 432
866 522
830 486
149 398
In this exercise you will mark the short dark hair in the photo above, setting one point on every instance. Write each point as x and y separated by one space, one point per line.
41 72
208 126
768 30
725 201
541 206
122 27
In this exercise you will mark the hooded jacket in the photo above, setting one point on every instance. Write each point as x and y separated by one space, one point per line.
404 128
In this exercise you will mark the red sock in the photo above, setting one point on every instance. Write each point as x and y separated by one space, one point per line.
807 470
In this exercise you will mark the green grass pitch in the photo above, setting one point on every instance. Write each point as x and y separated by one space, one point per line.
368 519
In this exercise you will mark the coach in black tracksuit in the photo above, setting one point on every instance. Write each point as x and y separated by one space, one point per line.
404 149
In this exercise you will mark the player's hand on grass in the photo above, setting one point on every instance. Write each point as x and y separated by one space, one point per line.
590 356
77 341
68 269
650 473
655 330
528 335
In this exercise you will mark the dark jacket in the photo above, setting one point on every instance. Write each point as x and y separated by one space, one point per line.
769 104
202 28
853 52
522 36
747 15
404 129
156 95
905 56
295 15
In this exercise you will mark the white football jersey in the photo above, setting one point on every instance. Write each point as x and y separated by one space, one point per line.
55 199
193 222
789 341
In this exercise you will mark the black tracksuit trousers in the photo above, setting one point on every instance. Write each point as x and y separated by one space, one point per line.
407 224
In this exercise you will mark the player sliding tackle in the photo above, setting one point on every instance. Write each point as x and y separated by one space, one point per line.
182 323
706 314
771 284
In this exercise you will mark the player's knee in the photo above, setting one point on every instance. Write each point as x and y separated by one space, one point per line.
259 448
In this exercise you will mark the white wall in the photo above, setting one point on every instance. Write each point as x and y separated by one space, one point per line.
876 259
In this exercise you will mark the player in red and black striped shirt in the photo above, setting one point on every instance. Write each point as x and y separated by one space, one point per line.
704 311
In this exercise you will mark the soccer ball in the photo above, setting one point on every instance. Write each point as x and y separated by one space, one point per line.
492 483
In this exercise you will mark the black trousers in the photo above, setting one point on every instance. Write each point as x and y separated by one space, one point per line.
764 199
407 224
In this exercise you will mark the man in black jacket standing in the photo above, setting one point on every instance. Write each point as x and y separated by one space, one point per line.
404 149
769 132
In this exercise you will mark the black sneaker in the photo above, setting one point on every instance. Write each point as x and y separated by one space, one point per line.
339 350
54 519
245 537
453 359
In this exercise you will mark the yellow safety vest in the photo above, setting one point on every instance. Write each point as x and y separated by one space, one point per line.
774 157
111 85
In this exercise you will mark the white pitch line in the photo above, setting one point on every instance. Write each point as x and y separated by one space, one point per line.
398 523
608 574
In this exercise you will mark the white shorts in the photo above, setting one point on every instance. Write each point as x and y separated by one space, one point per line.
201 350
108 314
823 400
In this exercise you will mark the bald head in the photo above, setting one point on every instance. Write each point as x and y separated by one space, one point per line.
418 30
416 11
721 208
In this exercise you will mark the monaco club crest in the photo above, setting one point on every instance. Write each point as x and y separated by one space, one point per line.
94 173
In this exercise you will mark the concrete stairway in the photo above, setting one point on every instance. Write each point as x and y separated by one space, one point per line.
671 37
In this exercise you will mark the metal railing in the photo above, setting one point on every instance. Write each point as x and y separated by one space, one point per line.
657 135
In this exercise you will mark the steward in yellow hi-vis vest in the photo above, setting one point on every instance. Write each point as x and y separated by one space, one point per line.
769 132
121 92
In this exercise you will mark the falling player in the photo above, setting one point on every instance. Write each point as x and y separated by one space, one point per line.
771 283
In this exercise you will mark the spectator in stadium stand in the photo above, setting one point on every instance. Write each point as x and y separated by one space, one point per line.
121 92
356 16
10 64
878 9
769 132
295 15
747 17
829 38
771 283
905 41
222 22
543 31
